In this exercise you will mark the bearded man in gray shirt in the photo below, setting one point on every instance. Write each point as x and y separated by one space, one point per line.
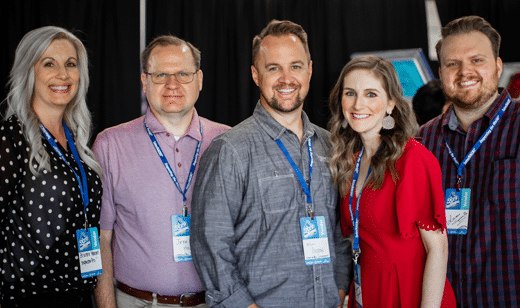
265 230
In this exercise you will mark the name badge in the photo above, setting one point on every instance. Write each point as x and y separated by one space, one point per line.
89 252
457 210
315 240
357 286
181 238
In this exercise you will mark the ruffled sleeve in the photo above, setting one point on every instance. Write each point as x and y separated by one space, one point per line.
419 196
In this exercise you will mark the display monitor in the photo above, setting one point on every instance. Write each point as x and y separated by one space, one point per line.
411 67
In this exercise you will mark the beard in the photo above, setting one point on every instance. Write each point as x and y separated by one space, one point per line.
276 105
473 99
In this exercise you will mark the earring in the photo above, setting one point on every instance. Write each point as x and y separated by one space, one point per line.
388 122
344 124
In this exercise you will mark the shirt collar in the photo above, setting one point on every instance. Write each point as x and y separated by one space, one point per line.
156 127
450 118
275 129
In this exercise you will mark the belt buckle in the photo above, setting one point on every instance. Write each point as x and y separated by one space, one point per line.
186 296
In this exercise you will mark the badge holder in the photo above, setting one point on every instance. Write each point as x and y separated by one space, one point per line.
457 210
315 240
89 252
181 237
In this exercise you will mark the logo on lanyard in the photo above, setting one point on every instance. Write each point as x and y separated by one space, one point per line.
170 170
82 181
355 224
306 188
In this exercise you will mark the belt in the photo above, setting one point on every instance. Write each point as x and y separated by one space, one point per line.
184 300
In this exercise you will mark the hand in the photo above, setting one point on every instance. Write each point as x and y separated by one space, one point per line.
342 295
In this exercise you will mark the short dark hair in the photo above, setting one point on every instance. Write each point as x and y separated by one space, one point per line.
280 28
468 24
166 40
429 101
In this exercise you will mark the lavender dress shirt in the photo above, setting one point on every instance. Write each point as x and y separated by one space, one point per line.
139 199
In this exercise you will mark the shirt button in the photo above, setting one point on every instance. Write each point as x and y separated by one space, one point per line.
167 134
317 278
177 150
179 164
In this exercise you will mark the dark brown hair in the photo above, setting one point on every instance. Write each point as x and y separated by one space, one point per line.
468 24
280 28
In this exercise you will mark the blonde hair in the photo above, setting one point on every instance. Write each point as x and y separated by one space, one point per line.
21 91
346 143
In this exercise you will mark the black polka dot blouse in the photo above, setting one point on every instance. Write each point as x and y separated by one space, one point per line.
39 216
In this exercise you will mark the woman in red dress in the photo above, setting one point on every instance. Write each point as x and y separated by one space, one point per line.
391 189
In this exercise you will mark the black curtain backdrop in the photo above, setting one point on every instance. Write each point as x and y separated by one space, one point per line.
502 14
223 30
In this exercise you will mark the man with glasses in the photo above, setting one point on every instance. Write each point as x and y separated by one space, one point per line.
149 165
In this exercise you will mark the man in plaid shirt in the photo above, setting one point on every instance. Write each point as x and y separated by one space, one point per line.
477 144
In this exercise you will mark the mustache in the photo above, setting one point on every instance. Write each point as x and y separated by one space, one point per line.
287 86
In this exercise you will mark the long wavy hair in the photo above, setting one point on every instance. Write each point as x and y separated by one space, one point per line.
21 92
346 143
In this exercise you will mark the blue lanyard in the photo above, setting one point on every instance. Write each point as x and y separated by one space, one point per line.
170 170
355 219
81 181
299 175
476 146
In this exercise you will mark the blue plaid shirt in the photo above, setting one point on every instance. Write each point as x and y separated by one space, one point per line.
484 265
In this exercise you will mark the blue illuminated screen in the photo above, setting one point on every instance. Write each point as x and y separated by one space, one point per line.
409 76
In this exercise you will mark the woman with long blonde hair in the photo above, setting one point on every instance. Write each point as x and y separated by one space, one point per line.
50 189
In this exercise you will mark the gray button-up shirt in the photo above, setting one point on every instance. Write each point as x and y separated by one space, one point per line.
247 203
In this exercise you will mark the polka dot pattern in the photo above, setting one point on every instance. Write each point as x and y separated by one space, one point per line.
39 216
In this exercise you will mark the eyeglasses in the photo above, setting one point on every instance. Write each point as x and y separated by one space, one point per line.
181 77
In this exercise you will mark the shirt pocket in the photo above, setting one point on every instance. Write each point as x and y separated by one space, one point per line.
324 184
278 193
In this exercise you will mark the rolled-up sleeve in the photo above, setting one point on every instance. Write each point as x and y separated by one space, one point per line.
217 199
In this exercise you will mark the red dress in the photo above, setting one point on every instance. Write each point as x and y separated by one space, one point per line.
392 254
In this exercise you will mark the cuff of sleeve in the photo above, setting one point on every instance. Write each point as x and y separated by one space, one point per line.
344 269
239 299
343 281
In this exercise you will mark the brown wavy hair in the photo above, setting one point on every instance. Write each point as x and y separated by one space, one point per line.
346 143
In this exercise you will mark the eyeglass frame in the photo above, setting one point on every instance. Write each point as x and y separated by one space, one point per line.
175 75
